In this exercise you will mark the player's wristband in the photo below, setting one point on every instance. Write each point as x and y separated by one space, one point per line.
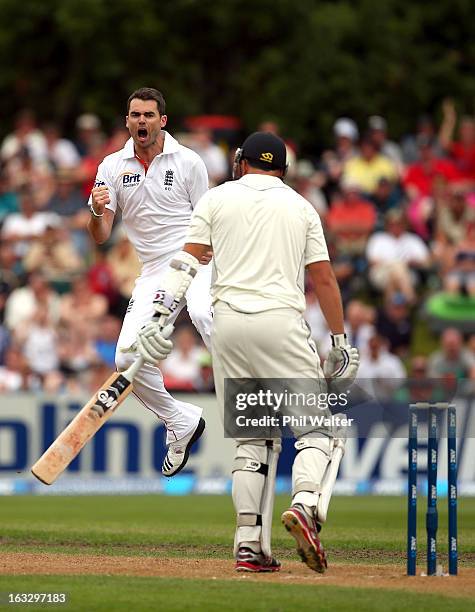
339 340
93 212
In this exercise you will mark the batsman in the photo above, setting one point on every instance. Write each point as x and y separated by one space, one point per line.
264 236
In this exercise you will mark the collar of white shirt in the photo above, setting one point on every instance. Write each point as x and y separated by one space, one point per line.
261 181
170 145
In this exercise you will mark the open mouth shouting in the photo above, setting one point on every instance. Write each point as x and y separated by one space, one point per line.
142 134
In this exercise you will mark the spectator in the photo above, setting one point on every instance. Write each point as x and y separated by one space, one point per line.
378 128
394 324
4 343
39 341
349 270
351 219
181 370
420 215
10 267
120 135
14 375
54 255
460 279
124 264
369 167
359 327
418 367
4 333
28 224
462 151
387 195
102 281
421 176
89 134
67 201
346 135
359 324
8 196
26 136
452 361
205 381
269 125
106 339
22 172
61 152
82 307
305 182
396 256
87 170
425 129
332 161
453 214
380 372
76 350
471 344
454 210
95 377
24 301
419 387
213 156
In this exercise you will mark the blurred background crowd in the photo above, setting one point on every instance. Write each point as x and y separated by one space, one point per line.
399 218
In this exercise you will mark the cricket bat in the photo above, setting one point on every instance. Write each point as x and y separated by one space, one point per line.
85 424
118 386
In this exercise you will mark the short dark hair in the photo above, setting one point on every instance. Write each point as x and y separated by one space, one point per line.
148 93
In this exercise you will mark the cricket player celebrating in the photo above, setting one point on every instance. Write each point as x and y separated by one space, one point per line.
156 182
263 236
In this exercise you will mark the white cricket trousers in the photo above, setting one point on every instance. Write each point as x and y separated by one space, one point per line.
179 418
270 344
274 344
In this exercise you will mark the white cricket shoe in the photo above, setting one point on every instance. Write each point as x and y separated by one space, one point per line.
179 451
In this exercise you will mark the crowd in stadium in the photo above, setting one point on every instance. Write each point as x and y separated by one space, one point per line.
399 218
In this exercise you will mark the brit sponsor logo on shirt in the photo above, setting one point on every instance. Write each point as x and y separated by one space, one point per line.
168 182
130 179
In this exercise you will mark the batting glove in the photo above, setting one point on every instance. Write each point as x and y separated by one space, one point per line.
152 342
343 360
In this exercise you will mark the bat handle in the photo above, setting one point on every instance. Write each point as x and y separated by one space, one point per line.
131 371
162 319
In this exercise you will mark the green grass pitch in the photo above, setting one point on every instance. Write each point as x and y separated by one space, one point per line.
359 530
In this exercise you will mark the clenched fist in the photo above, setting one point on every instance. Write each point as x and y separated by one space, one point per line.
100 198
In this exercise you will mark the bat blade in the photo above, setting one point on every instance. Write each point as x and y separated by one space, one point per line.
86 423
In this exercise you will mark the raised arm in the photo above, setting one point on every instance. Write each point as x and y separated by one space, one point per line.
446 132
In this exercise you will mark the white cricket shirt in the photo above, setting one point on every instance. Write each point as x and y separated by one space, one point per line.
384 247
263 234
157 206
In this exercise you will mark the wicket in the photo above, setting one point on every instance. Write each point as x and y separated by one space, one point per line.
431 515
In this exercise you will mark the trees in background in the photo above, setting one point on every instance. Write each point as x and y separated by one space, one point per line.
302 62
